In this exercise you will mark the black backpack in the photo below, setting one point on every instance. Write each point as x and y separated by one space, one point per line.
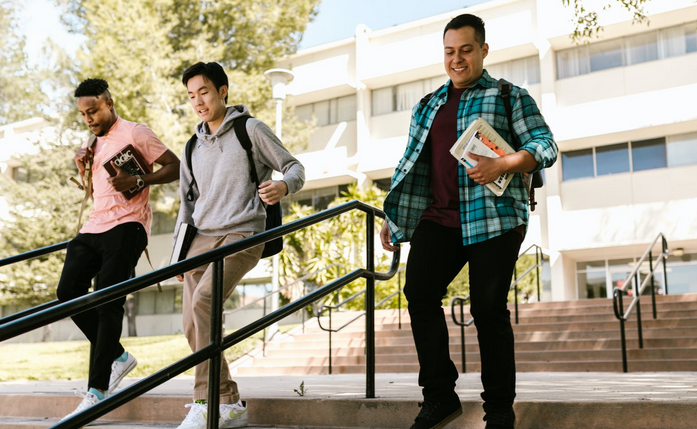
274 216
505 88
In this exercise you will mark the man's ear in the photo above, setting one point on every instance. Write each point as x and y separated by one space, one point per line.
222 91
110 103
485 50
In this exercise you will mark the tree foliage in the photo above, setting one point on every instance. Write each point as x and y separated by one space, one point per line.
141 48
586 24
18 80
41 213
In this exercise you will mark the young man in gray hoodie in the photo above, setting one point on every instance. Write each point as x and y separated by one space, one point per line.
225 206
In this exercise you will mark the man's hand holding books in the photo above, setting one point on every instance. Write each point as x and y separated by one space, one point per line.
123 181
487 169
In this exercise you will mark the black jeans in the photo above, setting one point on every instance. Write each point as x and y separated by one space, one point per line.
436 257
111 257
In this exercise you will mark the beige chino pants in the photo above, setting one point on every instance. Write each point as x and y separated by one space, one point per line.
198 285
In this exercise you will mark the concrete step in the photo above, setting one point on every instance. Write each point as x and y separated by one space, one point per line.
614 365
545 400
472 345
473 356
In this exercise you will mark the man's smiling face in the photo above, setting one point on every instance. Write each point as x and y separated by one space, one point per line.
463 56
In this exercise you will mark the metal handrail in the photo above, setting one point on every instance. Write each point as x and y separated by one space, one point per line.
219 343
330 330
273 292
24 257
539 257
638 289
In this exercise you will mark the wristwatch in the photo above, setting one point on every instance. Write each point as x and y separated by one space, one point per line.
139 181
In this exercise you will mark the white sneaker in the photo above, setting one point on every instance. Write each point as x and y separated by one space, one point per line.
196 419
119 371
89 400
233 415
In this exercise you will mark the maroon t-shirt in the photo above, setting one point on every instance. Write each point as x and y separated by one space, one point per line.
445 208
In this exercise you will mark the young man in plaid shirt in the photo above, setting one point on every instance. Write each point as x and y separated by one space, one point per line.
451 218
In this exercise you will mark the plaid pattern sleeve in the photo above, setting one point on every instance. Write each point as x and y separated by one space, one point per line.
483 214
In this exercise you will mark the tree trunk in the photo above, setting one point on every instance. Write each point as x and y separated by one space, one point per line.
131 315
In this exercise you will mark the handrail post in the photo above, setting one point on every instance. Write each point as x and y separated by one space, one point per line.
215 361
638 309
399 299
304 310
515 278
665 272
263 338
330 340
462 336
653 286
538 251
623 340
370 307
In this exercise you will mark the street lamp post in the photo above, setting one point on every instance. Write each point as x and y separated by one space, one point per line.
279 79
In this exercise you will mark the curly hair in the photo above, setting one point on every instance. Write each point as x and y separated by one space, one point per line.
92 87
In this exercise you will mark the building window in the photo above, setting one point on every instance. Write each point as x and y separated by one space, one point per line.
577 164
626 51
645 155
641 48
522 72
404 96
612 159
605 55
682 150
649 154
328 112
169 301
318 199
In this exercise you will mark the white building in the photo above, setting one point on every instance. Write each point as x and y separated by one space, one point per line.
621 109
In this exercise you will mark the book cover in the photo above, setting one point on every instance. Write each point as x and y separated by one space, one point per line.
481 139
129 160
186 235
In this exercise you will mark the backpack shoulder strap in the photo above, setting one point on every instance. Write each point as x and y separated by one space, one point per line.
505 88
426 98
240 125
188 150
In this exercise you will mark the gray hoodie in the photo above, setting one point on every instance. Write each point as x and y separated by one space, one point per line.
225 198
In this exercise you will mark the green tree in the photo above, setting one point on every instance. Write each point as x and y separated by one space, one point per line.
41 213
141 48
21 99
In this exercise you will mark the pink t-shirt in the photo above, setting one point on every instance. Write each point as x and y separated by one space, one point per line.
111 208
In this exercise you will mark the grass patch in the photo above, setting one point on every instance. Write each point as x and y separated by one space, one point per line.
68 360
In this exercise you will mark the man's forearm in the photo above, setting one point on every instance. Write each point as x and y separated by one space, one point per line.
168 173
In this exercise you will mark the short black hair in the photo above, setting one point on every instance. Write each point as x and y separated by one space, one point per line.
468 20
212 71
92 87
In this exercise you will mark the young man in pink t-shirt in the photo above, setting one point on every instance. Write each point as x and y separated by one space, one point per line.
111 241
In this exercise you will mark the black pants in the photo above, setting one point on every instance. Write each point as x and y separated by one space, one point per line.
111 257
436 257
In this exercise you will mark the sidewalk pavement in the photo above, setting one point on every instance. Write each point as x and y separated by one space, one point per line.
531 386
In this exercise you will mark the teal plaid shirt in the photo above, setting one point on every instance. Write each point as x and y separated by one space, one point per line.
483 215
